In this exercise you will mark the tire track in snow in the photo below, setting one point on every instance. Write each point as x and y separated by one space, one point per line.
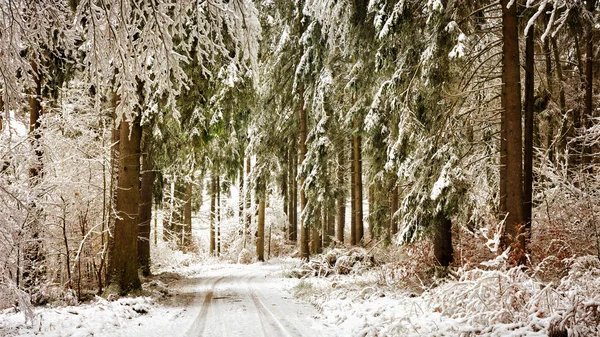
199 325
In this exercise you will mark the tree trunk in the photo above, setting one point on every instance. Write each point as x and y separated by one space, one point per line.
145 208
341 199
304 228
550 146
123 260
290 204
213 199
562 102
187 217
529 121
394 208
442 241
248 196
218 187
589 77
352 194
371 214
358 187
294 228
513 173
260 242
33 256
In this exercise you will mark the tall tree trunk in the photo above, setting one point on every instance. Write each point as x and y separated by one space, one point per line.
213 199
371 215
187 216
513 173
330 234
341 198
442 241
241 196
304 228
562 102
33 256
358 186
123 262
145 207
294 228
218 215
248 197
290 204
260 242
352 194
589 77
529 121
550 146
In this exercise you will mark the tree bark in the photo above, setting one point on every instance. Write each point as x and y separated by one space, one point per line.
549 83
248 197
562 102
260 242
513 173
589 77
529 121
294 229
304 228
218 187
394 208
123 260
213 197
145 207
442 241
187 217
352 194
358 186
341 199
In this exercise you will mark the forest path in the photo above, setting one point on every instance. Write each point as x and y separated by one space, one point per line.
248 300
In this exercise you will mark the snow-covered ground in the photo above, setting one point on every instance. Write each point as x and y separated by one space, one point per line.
211 300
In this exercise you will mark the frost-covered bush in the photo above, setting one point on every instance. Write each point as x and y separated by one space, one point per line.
501 301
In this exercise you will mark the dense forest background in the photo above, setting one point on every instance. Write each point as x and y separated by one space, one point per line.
464 130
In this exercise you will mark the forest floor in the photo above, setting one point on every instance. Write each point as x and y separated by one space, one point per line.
209 300
343 292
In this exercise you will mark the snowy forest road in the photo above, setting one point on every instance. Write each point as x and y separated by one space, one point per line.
249 300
